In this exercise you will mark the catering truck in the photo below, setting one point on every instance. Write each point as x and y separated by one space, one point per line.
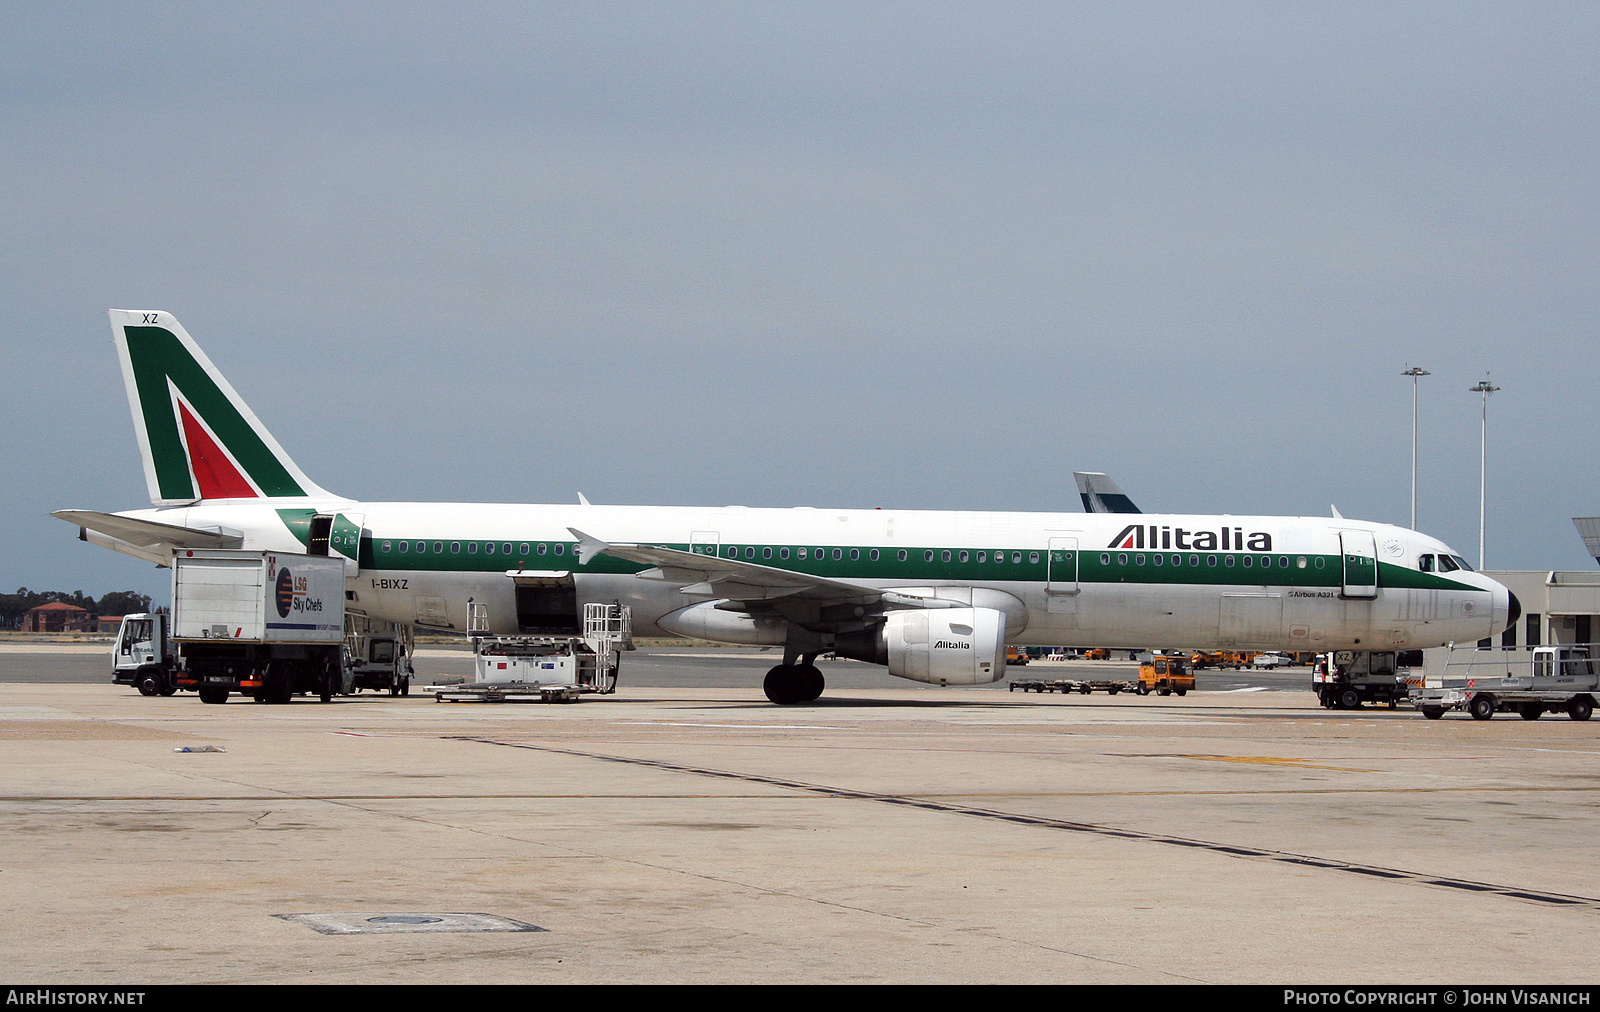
262 624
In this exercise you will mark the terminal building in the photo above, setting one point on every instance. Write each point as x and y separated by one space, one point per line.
1557 607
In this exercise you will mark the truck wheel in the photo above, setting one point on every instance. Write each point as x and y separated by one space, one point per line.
1580 708
1481 707
405 686
210 695
1181 692
148 682
1350 699
1143 690
1530 711
1433 712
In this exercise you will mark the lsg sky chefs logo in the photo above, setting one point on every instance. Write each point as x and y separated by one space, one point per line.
291 593
285 588
1228 539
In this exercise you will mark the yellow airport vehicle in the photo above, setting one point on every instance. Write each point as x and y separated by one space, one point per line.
1164 676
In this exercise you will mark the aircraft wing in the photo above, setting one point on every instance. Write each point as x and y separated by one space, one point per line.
733 579
149 533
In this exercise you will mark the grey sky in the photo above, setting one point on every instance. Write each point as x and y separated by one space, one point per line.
911 255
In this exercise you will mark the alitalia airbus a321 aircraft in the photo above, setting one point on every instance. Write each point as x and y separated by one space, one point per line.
935 596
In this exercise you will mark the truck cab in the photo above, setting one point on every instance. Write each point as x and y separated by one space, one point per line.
142 656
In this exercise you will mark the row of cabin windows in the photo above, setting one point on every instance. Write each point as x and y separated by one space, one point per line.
873 555
1247 561
473 547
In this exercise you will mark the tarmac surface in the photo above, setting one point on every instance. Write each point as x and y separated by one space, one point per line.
693 832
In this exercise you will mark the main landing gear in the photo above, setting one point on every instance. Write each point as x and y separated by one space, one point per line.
794 683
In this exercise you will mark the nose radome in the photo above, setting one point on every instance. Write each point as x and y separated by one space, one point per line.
1513 609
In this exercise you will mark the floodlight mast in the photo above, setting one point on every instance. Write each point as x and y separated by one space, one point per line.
1415 372
1485 388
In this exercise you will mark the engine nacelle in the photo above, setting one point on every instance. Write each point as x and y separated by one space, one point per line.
708 622
947 646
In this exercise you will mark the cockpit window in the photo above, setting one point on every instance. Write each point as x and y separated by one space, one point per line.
1447 564
1425 563
1461 563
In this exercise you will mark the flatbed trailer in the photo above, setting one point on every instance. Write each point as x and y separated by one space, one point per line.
1529 681
1084 686
505 692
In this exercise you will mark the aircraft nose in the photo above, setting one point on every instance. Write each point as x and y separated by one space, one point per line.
1513 609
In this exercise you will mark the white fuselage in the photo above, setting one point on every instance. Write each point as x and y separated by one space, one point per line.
1134 580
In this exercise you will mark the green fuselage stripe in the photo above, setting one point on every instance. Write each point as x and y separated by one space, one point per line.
946 564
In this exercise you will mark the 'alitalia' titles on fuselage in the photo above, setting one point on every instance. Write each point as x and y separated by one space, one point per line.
1226 539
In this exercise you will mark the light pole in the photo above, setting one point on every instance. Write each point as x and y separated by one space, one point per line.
1485 388
1414 372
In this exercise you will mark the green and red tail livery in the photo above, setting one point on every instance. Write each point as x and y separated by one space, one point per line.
198 438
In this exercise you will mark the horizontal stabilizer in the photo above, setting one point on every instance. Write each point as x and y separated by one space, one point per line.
149 533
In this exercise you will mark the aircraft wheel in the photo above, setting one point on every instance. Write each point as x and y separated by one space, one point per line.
1580 708
1530 711
810 682
1482 706
780 685
1433 712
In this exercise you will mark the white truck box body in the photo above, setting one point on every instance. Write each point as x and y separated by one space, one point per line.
261 597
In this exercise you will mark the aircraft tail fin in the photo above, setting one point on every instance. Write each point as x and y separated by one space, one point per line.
1589 531
198 438
1101 495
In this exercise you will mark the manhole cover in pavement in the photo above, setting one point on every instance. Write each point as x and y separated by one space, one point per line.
387 923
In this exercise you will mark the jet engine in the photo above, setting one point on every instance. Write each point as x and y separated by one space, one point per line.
947 646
